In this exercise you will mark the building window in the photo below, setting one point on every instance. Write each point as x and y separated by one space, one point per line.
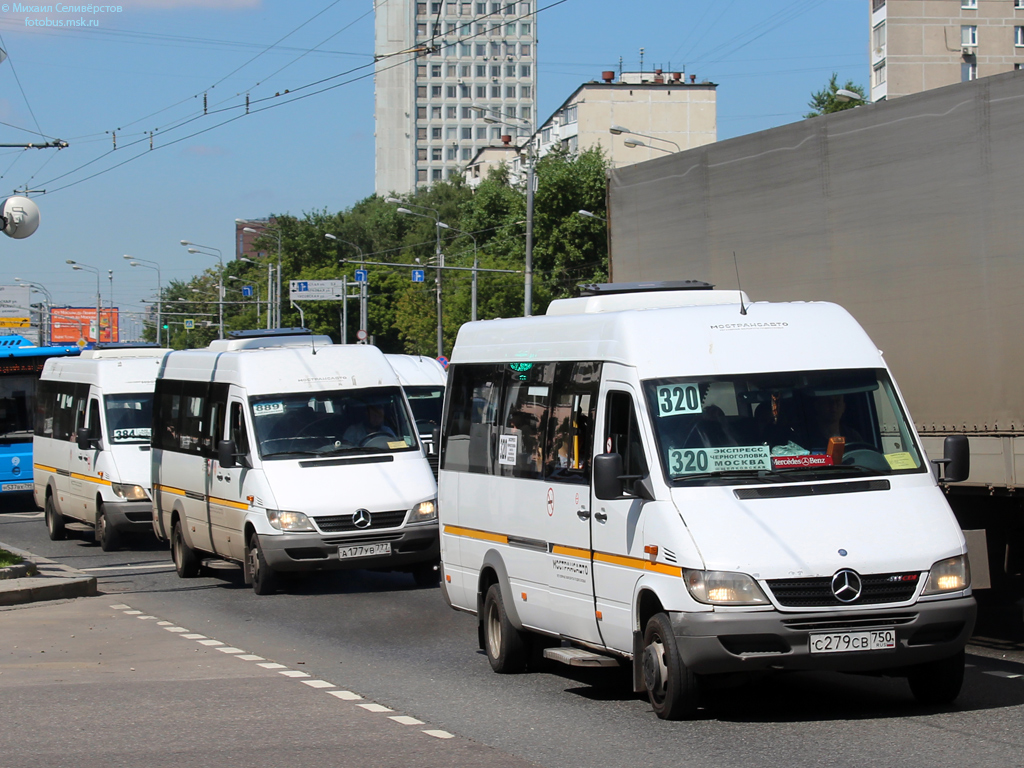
525 70
481 70
435 70
467 153
878 37
1018 66
450 133
510 91
421 113
467 134
968 71
421 70
481 91
524 49
495 70
1018 3
877 4
421 153
878 75
510 111
481 9
481 49
464 70
450 70
525 112
435 91
465 49
569 116
969 4
435 8
510 70
421 134
1018 36
435 113
435 153
510 9
495 91
969 35
524 9
481 134
421 8
453 153
421 29
526 91
435 174
451 91
525 29
467 9
421 91
467 113
435 133
421 174
450 113
496 133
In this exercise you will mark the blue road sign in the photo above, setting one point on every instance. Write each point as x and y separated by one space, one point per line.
302 285
247 290
361 276
418 275
190 325
442 360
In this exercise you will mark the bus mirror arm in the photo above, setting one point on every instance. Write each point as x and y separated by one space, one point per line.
643 489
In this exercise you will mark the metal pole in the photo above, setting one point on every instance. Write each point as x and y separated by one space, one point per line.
270 291
159 297
220 298
344 309
440 263
473 313
278 278
528 267
98 303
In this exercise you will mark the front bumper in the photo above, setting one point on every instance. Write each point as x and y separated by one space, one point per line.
711 643
129 516
319 552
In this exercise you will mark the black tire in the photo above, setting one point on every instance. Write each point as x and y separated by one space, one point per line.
186 561
426 575
671 685
506 647
938 683
106 536
54 521
264 578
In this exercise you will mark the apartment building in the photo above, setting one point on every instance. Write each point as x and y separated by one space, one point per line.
661 112
441 68
917 45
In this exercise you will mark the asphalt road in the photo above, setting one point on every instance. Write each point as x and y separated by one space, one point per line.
402 647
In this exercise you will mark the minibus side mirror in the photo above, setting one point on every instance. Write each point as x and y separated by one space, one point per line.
956 459
435 440
226 454
607 469
85 439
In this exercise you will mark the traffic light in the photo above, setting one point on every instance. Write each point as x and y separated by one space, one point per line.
166 326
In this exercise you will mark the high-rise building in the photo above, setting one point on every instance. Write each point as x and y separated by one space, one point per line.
441 69
917 45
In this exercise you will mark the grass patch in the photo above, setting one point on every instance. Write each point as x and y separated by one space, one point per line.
7 558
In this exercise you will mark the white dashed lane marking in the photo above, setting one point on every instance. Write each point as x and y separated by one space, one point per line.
1001 673
281 669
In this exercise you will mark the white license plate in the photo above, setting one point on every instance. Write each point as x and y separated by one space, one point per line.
17 486
364 550
843 642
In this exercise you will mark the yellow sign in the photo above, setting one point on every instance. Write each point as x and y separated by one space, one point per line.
14 322
902 460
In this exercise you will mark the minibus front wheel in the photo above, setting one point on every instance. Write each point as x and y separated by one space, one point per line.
54 520
264 578
186 562
671 685
105 535
505 645
937 683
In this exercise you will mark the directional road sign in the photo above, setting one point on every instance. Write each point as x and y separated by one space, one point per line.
247 290
418 275
316 290
361 276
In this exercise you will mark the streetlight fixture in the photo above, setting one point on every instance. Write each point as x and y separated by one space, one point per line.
78 266
147 264
270 280
530 161
617 130
591 215
845 95
439 256
47 304
442 225
364 310
197 248
276 231
631 143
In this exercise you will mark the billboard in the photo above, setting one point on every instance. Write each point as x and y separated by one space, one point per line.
14 306
70 325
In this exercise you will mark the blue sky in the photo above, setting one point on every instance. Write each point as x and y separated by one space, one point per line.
146 68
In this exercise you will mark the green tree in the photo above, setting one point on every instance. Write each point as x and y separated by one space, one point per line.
825 101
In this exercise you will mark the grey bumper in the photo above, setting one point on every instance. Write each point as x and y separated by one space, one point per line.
735 642
129 516
319 552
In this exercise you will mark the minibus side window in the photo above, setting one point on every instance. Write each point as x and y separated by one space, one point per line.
94 419
238 433
525 415
470 434
193 406
217 405
166 414
46 397
570 428
622 436
81 393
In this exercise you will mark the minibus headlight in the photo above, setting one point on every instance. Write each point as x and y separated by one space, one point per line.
951 575
129 492
423 512
289 521
723 588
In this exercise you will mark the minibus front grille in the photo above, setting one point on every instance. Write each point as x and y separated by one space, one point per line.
875 589
373 538
342 523
432 460
847 622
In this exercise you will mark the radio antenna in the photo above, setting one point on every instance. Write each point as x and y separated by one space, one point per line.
743 309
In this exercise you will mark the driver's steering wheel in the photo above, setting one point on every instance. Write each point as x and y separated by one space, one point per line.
365 442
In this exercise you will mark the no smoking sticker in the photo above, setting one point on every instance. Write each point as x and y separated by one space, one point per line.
551 502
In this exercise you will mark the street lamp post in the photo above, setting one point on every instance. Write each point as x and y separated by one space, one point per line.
442 225
277 233
364 310
147 264
44 325
77 266
220 279
617 130
270 278
438 255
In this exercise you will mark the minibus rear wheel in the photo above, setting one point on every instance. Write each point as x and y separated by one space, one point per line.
186 562
264 578
938 682
54 520
671 685
505 645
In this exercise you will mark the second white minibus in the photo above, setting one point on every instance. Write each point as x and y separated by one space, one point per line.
669 477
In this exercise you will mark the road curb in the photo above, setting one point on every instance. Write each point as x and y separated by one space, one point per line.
52 581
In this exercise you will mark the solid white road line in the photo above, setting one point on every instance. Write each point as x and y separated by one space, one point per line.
166 566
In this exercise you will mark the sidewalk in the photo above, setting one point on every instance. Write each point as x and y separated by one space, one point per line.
52 581
93 683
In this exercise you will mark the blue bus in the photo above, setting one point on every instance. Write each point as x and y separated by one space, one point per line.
21 364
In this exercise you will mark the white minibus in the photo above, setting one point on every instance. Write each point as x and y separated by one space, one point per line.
667 476
284 452
423 379
91 444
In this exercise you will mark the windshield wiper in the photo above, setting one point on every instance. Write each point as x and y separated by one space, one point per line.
826 468
289 453
728 473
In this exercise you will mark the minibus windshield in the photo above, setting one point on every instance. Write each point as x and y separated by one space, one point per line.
129 417
769 427
426 405
333 422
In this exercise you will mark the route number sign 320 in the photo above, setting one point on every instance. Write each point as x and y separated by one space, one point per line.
674 399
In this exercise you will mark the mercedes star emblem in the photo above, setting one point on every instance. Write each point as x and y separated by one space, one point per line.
846 586
361 519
